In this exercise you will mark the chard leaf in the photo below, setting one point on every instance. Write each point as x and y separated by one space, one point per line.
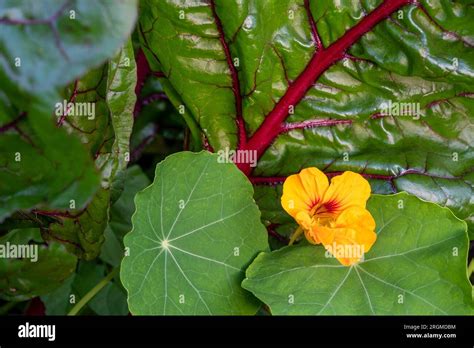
48 44
111 92
24 278
38 170
44 47
311 85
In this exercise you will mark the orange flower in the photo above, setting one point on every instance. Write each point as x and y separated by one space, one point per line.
332 214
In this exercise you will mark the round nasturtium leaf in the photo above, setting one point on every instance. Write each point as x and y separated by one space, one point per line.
416 266
195 230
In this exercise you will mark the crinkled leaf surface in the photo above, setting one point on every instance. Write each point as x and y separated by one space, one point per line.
416 266
83 233
111 90
422 54
194 231
121 99
22 279
44 46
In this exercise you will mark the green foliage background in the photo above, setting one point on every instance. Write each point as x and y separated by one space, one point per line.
168 76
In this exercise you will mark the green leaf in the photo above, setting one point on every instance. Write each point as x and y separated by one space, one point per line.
47 44
57 302
111 300
122 210
194 231
111 89
159 130
83 233
121 99
112 250
420 55
39 170
25 278
199 70
416 266
121 216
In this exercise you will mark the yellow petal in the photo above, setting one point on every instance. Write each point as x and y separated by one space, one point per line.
304 220
347 190
303 191
307 224
350 236
311 236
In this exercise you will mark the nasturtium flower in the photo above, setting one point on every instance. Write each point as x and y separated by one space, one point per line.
333 214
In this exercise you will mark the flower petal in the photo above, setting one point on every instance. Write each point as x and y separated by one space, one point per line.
307 224
303 191
350 236
347 190
311 236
